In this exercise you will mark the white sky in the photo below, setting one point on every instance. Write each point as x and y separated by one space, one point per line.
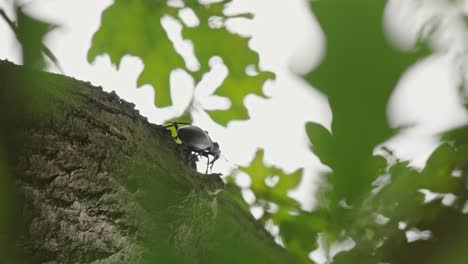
288 38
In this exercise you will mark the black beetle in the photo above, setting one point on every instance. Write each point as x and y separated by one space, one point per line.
198 141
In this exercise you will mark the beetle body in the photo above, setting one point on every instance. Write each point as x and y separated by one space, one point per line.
194 137
197 141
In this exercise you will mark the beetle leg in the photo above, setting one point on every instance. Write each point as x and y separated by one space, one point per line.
212 163
194 157
208 163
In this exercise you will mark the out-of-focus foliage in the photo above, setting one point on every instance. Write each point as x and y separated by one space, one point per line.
271 186
134 28
15 101
379 202
358 74
30 32
4 205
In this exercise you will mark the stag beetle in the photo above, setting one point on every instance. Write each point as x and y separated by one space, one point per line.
198 141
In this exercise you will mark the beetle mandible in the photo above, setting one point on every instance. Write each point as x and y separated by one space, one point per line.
198 141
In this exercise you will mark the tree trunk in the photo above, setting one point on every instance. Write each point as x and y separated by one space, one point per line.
96 183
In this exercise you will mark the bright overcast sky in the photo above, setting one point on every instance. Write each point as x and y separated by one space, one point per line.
288 39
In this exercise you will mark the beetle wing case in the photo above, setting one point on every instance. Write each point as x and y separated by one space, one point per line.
194 137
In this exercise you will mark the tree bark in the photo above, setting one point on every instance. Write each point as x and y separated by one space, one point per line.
96 183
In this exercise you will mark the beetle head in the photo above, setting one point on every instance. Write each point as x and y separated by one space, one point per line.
215 151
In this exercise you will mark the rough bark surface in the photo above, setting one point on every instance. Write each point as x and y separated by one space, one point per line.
97 183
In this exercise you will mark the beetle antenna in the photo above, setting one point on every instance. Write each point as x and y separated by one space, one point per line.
233 164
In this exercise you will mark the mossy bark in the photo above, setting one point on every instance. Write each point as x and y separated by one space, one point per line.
96 183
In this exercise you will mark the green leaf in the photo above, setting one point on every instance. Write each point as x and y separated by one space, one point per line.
322 142
459 135
358 74
355 257
437 174
300 232
30 32
400 198
236 89
303 229
277 194
234 50
447 245
134 28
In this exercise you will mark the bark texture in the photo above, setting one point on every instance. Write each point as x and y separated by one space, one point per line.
96 183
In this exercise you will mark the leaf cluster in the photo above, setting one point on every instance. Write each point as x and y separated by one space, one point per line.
135 28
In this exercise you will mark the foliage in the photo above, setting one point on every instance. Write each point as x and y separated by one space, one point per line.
30 32
14 103
271 185
372 199
121 34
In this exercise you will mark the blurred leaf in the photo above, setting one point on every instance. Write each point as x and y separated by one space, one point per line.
354 257
400 197
30 33
278 193
236 88
287 214
447 243
401 201
437 174
236 54
322 142
5 209
134 28
358 74
300 233
459 135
